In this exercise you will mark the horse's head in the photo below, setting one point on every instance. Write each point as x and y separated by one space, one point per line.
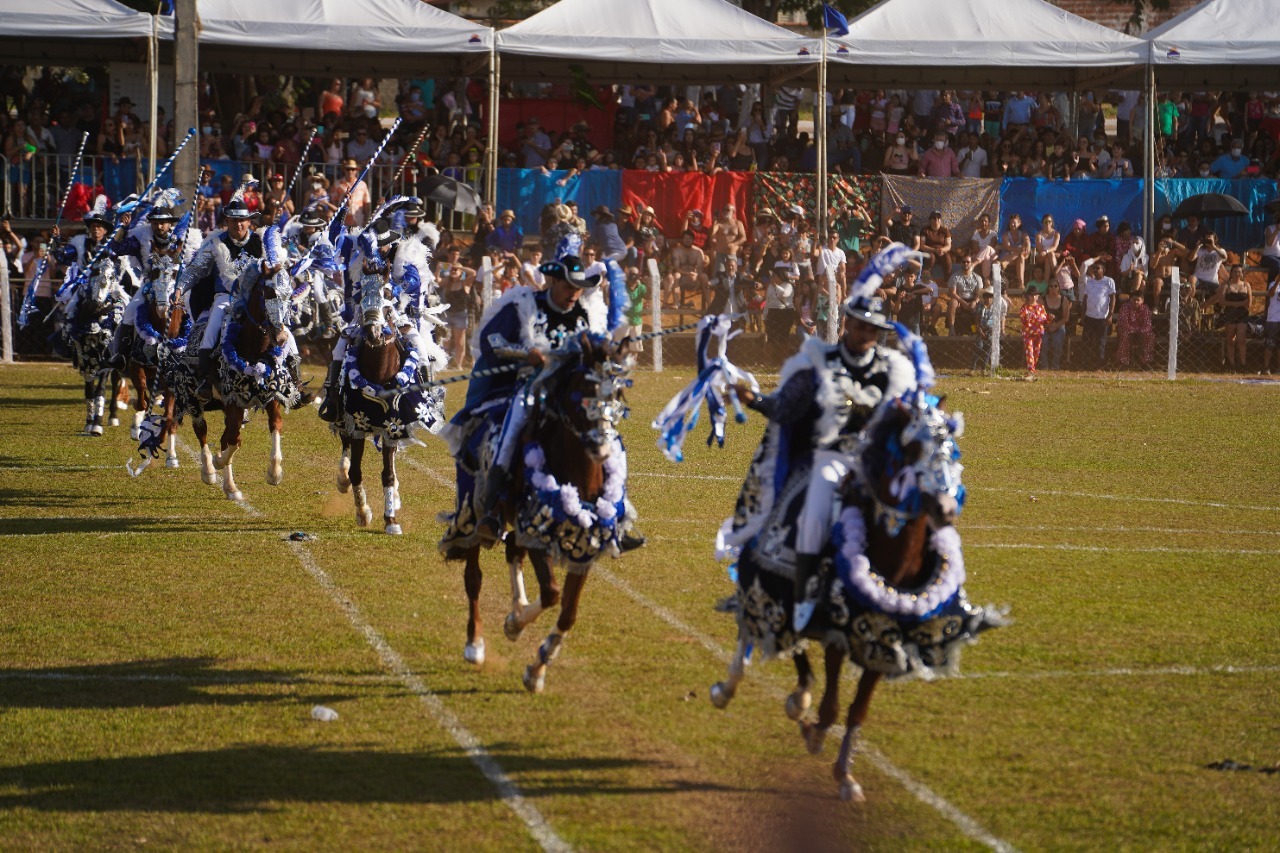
102 285
163 285
585 395
909 463
374 310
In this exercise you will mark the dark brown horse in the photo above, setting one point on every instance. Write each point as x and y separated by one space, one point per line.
161 324
570 441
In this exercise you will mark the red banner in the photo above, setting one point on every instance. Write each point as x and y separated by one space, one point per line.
673 194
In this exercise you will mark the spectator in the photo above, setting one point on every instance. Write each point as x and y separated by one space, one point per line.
935 242
359 203
1099 306
779 312
1058 309
726 289
831 260
901 157
922 105
990 319
939 161
1271 248
908 302
1034 318
364 99
605 235
973 159
964 292
1103 243
1134 320
1077 244
536 145
480 236
1017 112
1015 248
530 275
456 284
636 292
1234 298
1047 241
727 237
331 99
1209 257
507 237
903 229
688 272
1271 327
1231 166
1191 234
361 147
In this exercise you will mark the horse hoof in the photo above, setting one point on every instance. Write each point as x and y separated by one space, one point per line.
171 462
275 478
237 495
344 485
512 628
209 478
720 695
534 681
133 431
814 737
851 791
474 652
394 530
116 422
96 429
798 703
364 517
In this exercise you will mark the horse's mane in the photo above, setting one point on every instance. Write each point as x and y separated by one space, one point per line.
873 452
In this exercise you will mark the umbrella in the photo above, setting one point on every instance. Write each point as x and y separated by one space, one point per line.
449 193
1273 206
1210 206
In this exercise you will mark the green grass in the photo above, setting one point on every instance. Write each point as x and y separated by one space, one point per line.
160 649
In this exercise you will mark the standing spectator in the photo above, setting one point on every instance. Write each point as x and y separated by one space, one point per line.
779 312
1103 243
1134 320
636 292
688 272
605 235
530 275
536 145
19 154
1232 165
364 99
726 289
939 161
507 237
361 147
331 99
990 319
1209 257
456 284
727 237
901 158
922 104
908 302
786 110
1271 248
1234 298
480 235
1058 307
1125 105
1271 328
359 204
973 159
1034 319
1099 306
1017 112
831 260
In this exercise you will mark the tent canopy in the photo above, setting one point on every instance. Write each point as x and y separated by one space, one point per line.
1231 44
982 44
375 37
50 32
656 41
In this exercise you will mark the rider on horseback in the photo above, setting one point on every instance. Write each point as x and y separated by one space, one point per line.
301 234
827 396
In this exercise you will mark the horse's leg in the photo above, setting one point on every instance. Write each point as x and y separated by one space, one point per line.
208 474
523 613
275 460
850 790
120 395
99 404
88 407
390 490
364 514
815 733
722 691
344 465
472 578
141 401
535 675
799 699
230 444
170 433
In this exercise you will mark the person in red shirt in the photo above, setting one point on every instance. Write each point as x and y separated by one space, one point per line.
940 161
694 221
331 101
1034 319
1077 243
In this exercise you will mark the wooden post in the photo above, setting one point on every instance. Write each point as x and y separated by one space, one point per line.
186 92
6 316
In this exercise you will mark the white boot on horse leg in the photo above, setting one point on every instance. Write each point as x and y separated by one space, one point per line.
474 652
535 675
391 505
522 612
135 431
88 417
99 406
850 790
723 691
364 514
208 474
275 461
171 457
223 461
344 471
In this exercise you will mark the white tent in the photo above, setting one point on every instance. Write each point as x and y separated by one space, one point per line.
656 41
39 32
382 38
996 44
1233 44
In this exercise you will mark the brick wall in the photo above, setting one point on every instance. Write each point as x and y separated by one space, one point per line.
1116 14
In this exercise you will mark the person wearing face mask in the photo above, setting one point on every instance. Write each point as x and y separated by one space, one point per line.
939 161
1232 165
901 157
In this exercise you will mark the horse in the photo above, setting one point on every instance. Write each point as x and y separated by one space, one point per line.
383 396
163 331
895 602
95 310
255 370
572 507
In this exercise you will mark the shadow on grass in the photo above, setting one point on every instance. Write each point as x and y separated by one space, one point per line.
36 525
162 683
260 778
28 402
48 498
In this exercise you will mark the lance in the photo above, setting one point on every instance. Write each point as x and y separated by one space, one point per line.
412 155
29 300
102 250
367 167
306 150
509 368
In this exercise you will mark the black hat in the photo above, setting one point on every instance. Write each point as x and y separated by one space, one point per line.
98 213
413 207
311 218
163 213
569 268
869 310
385 234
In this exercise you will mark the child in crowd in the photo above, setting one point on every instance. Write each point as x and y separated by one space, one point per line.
1034 318
755 307
1134 320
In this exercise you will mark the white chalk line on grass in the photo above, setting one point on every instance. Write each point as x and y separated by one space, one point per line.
922 792
209 679
435 475
1122 672
533 820
1029 546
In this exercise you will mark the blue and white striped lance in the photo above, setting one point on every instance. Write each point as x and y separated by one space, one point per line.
390 132
29 299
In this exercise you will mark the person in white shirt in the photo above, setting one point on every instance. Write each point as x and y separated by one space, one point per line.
530 275
973 159
1099 305
832 257
1271 328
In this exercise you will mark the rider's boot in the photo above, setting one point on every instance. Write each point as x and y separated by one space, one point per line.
489 527
204 371
807 589
332 390
123 347
306 394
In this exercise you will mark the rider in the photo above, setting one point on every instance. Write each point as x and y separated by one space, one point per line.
228 264
80 249
148 252
829 393
300 234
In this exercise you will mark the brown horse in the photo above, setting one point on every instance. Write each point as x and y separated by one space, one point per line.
256 372
570 441
901 611
162 323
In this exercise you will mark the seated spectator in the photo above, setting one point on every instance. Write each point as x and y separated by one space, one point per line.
1271 326
1102 243
1015 248
1231 165
963 293
903 229
605 235
935 242
688 272
508 236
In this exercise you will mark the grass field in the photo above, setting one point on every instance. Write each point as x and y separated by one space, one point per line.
161 649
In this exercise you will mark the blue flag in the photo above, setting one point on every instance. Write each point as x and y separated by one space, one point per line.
833 20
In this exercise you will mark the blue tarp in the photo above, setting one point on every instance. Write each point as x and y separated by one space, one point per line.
527 191
1121 200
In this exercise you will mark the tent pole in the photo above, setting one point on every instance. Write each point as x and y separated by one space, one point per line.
820 128
1149 156
153 78
491 152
